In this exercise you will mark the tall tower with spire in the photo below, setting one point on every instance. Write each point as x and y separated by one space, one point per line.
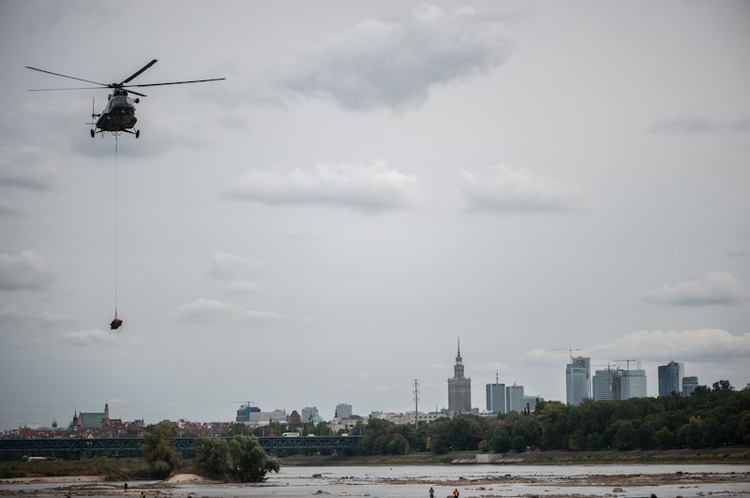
459 388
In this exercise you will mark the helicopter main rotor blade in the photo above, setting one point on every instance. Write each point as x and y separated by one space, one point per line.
174 83
58 89
137 73
137 93
66 76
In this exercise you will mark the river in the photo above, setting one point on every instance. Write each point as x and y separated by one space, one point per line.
472 481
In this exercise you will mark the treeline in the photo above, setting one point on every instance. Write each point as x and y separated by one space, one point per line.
710 417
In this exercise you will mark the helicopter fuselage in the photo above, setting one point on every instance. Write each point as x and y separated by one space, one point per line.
118 114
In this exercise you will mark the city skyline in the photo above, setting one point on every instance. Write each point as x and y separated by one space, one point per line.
510 401
371 180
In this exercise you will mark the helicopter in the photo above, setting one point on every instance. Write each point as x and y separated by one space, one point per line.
118 115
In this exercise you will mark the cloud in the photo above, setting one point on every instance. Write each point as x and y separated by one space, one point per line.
738 251
395 62
242 288
12 315
27 168
51 319
95 338
227 266
699 124
209 310
506 189
366 188
9 208
23 271
700 289
704 345
494 367
89 338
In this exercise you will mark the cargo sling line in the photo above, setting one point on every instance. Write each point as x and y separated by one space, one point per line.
116 322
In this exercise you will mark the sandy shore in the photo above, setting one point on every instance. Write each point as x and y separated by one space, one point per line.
52 480
689 484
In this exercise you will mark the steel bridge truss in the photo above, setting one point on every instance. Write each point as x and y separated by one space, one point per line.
186 445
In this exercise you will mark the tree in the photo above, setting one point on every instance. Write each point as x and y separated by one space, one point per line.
240 460
464 433
664 438
723 385
158 449
248 462
500 440
625 435
743 429
212 456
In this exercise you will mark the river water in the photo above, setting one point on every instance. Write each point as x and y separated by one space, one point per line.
472 481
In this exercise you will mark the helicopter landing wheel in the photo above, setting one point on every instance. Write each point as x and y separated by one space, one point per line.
93 134
137 133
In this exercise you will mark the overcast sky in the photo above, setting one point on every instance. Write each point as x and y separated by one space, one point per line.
372 181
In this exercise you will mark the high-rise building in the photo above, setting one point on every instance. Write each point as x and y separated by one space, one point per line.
343 410
496 396
309 413
514 398
585 363
603 385
459 389
615 384
529 402
576 381
243 414
632 384
670 378
688 385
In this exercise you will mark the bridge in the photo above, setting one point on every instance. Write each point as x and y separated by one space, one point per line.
131 447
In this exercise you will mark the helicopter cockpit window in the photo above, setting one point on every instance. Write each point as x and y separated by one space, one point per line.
121 101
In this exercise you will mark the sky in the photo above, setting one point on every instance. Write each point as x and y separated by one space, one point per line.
372 182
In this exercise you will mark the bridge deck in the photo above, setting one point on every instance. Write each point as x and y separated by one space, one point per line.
132 446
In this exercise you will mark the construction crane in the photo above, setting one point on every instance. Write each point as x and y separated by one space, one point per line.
627 362
569 349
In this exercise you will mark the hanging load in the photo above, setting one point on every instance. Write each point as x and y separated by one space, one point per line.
116 323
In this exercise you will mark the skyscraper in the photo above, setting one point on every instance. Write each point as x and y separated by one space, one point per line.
603 385
515 398
459 388
688 385
617 384
632 384
585 363
670 378
496 396
575 384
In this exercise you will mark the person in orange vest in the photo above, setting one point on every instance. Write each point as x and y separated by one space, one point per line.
455 493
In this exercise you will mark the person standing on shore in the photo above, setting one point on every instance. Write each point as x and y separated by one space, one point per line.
455 493
432 492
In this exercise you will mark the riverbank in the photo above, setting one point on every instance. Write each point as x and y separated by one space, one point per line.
721 455
114 469
473 481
